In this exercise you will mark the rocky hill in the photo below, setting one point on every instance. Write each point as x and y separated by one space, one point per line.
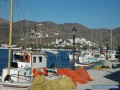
3 20
22 31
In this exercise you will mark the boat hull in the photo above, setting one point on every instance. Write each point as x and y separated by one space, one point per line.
16 84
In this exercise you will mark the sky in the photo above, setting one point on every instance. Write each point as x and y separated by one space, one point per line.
94 14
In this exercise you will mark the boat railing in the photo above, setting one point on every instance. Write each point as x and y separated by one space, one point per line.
16 75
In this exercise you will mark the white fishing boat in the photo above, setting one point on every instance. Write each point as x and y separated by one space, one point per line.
83 57
110 55
24 61
21 63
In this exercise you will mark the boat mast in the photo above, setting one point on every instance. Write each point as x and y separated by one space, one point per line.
10 35
91 39
111 40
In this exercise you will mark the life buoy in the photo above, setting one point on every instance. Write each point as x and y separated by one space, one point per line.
26 57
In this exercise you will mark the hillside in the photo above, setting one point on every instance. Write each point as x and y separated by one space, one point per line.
22 30
3 20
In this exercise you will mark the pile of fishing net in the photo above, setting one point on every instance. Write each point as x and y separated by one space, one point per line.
80 75
62 83
67 80
97 67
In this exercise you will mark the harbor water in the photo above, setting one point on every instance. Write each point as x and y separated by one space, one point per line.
60 60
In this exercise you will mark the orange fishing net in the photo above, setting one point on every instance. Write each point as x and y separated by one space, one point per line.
79 75
84 73
39 71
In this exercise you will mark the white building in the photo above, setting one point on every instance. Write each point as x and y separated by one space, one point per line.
58 40
4 45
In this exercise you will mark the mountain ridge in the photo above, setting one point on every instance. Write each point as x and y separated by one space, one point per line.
64 30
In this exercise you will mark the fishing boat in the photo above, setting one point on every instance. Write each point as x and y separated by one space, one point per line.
24 61
83 57
21 63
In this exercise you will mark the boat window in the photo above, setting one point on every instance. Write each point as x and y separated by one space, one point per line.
34 59
40 59
14 64
18 57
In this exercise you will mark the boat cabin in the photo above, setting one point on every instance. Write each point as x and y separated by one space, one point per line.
33 59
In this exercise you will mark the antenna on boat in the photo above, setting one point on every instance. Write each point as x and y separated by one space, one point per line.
35 28
10 35
40 34
92 40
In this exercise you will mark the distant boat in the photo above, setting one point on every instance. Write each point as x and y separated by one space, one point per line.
83 57
111 56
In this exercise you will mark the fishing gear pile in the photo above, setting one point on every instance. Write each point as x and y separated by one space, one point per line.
61 83
64 79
